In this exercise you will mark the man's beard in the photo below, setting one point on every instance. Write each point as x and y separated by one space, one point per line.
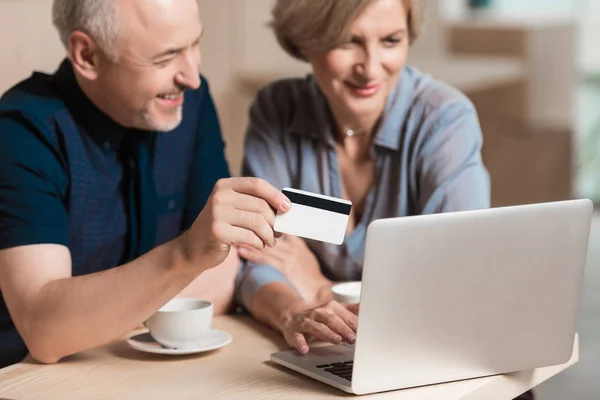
147 123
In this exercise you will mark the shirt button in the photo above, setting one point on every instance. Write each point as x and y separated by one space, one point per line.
171 205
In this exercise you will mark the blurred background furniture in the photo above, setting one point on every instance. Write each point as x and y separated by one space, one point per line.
529 126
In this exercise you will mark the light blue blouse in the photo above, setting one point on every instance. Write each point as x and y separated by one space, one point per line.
427 155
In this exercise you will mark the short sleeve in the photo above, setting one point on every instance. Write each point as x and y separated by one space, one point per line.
33 187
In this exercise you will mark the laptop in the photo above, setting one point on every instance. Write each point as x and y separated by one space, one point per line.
460 295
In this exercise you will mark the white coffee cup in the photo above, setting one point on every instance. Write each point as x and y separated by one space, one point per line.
347 292
181 323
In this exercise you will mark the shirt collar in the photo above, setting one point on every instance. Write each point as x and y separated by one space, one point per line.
313 117
93 121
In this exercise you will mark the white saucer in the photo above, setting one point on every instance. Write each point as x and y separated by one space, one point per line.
213 340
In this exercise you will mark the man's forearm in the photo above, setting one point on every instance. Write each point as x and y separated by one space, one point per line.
78 313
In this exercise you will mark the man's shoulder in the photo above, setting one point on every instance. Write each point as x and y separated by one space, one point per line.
28 112
37 94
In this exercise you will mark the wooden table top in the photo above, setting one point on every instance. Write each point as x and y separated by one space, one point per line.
241 370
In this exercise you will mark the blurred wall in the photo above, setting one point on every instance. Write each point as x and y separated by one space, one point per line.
28 40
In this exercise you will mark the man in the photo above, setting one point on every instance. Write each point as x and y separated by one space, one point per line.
114 189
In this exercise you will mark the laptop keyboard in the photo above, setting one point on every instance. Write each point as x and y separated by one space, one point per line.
341 369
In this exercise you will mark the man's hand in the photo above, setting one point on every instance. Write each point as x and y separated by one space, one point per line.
296 261
332 322
240 211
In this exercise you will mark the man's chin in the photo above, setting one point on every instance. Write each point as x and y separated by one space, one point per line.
162 124
167 126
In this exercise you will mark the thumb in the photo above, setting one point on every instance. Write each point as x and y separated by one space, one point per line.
295 240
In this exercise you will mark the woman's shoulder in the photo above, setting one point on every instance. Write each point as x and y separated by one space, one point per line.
433 96
285 102
285 92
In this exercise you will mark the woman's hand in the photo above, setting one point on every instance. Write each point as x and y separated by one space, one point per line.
332 322
296 261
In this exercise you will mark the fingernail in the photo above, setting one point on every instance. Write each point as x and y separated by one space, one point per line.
351 338
303 349
286 205
242 251
336 338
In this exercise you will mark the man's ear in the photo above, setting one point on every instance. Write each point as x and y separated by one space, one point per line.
84 55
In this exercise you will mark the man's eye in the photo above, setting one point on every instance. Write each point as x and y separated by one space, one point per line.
163 63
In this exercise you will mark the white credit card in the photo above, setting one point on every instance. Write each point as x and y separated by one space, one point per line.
314 216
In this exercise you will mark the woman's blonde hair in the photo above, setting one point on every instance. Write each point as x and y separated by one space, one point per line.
325 24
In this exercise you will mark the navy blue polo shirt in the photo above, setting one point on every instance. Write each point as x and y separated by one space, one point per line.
70 175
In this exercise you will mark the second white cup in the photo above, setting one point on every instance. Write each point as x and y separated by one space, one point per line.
181 323
347 292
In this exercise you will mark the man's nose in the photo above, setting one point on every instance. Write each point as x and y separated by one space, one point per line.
189 75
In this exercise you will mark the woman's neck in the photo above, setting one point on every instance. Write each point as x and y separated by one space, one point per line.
355 134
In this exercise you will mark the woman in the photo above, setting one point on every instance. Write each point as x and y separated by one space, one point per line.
365 127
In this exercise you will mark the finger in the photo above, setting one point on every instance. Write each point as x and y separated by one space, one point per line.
276 252
294 240
319 330
235 236
353 308
329 317
253 204
297 341
295 243
300 343
253 222
266 256
258 188
345 312
283 248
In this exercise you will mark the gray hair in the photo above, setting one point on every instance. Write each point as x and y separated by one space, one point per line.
97 18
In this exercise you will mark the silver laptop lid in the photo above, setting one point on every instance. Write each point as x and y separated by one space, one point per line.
458 295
